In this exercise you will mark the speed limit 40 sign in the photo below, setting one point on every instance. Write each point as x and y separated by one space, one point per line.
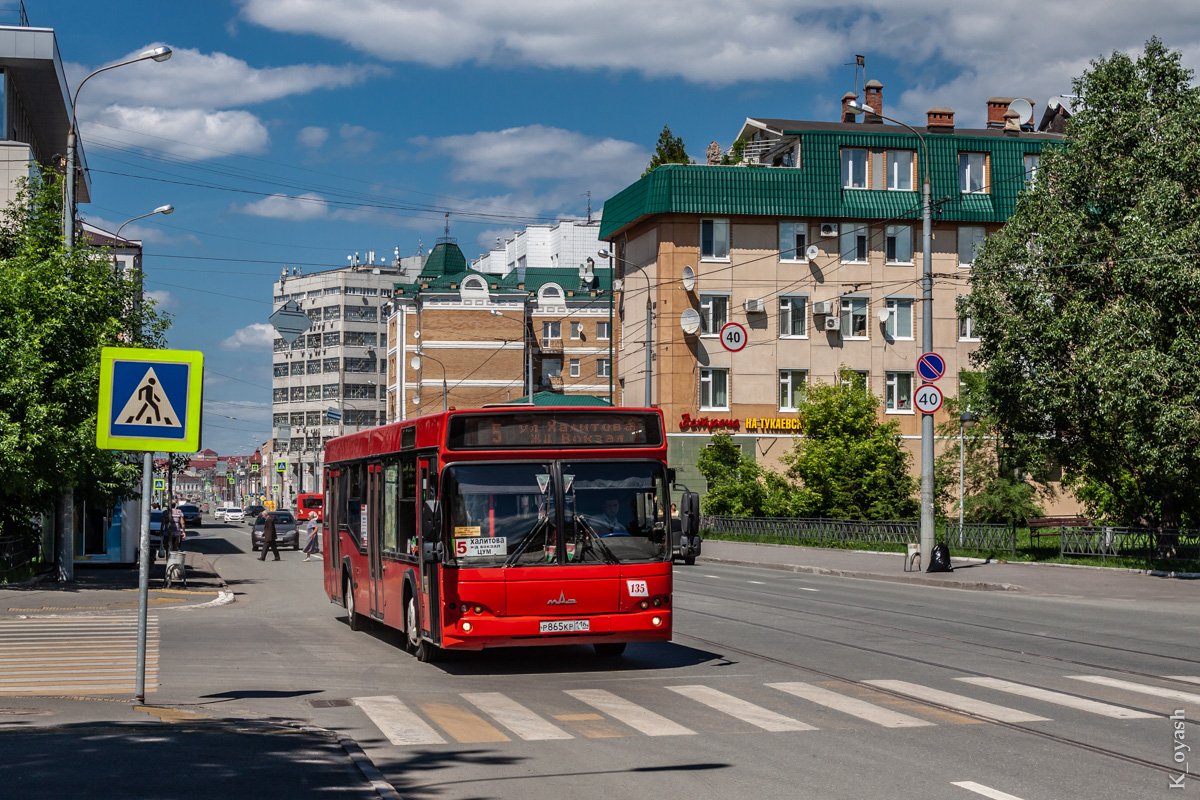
733 336
928 398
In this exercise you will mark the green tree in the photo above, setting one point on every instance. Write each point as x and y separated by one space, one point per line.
1086 300
670 150
848 464
59 310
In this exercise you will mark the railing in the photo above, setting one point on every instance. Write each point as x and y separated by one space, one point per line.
1151 544
982 537
16 552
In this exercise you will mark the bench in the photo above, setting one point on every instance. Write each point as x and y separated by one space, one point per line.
1039 526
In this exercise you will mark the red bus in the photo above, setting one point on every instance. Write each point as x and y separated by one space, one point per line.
306 503
505 526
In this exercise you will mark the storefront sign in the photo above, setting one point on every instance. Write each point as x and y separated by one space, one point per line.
781 425
710 424
792 425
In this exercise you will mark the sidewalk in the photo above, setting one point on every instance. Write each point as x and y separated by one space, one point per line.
1059 580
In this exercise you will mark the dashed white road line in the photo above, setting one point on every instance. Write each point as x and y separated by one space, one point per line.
986 791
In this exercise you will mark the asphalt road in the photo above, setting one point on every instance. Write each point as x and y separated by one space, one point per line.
776 685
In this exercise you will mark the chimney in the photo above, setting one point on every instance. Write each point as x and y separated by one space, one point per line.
939 119
1012 122
875 101
996 107
847 114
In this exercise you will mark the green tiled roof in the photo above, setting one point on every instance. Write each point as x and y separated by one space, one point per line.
563 400
814 189
446 257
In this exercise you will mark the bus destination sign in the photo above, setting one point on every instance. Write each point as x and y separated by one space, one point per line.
511 431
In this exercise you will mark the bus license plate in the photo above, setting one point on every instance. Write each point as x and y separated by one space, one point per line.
563 626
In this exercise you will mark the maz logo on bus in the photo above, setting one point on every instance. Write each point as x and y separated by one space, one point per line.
561 601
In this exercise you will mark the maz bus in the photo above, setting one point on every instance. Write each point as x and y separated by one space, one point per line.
506 526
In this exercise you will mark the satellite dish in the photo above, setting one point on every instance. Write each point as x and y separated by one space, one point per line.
415 363
883 314
812 252
1023 109
416 334
689 320
416 400
689 277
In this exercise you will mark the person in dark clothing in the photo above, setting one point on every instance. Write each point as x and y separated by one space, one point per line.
268 538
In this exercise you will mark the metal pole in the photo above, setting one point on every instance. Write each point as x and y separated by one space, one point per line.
139 691
611 293
649 342
961 453
927 523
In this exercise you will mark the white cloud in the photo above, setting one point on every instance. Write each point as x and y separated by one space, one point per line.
163 298
257 336
189 133
312 136
306 206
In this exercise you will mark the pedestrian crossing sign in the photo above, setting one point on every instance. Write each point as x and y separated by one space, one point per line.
160 484
150 400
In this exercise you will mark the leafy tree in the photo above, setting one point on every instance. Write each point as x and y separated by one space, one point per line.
670 150
735 154
59 310
848 464
1085 301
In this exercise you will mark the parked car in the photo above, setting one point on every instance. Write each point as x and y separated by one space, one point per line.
191 515
234 514
285 530
252 512
156 528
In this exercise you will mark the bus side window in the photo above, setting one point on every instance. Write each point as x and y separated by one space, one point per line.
354 499
408 504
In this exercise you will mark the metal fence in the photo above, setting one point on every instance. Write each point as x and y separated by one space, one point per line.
16 552
821 532
1151 544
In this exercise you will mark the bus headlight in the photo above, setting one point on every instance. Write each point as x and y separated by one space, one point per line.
644 604
466 626
656 621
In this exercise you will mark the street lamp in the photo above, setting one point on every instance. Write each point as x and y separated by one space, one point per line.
927 521
154 54
649 328
966 420
167 209
416 365
586 273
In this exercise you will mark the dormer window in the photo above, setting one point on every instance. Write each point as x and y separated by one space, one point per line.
550 294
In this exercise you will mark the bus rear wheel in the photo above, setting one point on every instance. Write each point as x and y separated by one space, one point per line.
356 621
609 649
423 650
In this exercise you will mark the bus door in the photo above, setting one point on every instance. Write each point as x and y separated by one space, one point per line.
373 520
427 487
331 540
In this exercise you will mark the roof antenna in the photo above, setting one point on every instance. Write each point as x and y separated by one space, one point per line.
859 61
447 228
589 194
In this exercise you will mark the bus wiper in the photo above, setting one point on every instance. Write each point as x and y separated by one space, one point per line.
524 545
587 527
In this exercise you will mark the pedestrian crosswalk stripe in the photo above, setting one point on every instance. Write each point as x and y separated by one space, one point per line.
745 711
851 705
465 726
395 721
632 715
516 717
1059 698
1157 691
986 791
75 655
1184 678
958 701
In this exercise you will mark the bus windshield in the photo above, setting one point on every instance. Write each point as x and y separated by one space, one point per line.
506 515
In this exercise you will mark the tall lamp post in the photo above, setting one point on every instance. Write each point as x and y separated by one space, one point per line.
649 330
587 272
526 350
416 365
965 420
927 521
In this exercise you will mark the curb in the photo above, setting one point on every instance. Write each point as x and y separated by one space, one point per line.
978 586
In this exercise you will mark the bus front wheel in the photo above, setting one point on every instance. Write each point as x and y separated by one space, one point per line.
424 651
356 622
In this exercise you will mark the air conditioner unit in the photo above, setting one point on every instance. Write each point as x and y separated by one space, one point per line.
833 323
754 305
829 229
821 308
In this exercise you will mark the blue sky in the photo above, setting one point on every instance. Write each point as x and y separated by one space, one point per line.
300 131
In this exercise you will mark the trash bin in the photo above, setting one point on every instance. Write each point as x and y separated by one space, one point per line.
176 569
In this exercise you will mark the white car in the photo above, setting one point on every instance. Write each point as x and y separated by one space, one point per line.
234 515
219 512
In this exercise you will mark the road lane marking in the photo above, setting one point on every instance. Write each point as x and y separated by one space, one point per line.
806 589
851 705
986 791
1184 678
758 583
741 709
516 717
75 655
1059 698
395 721
1157 691
632 715
958 701
465 726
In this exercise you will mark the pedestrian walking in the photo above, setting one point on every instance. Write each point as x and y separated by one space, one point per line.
268 538
313 545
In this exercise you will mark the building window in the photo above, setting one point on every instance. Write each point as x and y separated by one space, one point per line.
332 290
362 314
298 344
854 244
899 391
297 418
714 313
603 368
360 365
714 239
899 323
312 392
297 367
359 339
333 312
312 418
297 394
551 332
793 239
854 168
966 325
279 419
900 170
791 388
603 331
972 168
1032 161
281 346
576 330
279 395
574 367
551 368
970 239
898 244
856 378
854 317
793 320
314 367
314 341
360 391
331 339
714 389
281 370
332 364
329 391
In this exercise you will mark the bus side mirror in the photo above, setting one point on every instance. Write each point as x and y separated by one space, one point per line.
431 526
689 514
671 476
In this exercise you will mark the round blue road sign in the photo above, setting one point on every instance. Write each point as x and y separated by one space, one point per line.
931 366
